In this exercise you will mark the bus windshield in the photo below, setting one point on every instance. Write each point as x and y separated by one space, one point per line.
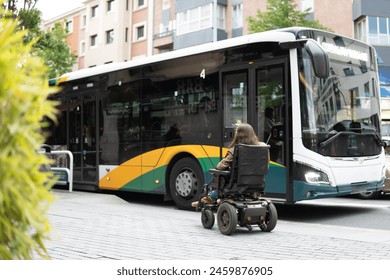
340 115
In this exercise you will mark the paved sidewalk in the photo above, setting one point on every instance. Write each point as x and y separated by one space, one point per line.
102 226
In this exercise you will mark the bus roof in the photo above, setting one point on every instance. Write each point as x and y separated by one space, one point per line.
268 36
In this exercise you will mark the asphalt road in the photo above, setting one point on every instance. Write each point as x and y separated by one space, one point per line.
340 211
343 211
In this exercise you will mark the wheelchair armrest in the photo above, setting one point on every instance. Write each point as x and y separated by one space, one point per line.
218 172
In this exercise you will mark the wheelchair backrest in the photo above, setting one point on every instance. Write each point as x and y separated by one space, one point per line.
250 164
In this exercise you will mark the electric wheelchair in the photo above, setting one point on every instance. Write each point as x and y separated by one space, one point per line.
239 192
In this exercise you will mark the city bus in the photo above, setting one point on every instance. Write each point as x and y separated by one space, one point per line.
159 123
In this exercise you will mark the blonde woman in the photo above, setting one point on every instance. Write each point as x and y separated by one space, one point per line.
244 134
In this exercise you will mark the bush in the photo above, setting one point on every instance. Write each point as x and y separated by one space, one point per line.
24 190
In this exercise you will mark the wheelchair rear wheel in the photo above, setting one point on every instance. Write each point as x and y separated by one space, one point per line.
207 218
227 218
271 218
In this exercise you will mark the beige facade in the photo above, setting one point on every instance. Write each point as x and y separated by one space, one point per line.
335 14
106 31
250 10
163 26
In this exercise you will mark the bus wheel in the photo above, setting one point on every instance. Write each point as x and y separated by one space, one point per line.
368 195
185 182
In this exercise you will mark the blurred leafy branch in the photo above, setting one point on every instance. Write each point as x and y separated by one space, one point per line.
24 188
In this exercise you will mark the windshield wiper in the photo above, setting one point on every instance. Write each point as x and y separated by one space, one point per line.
329 140
352 132
373 132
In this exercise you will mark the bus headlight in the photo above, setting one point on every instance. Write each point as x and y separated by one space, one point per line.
316 177
311 175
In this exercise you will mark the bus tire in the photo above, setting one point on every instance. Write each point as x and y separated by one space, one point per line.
185 182
368 195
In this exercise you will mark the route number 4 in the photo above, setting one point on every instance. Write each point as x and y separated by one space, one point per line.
203 74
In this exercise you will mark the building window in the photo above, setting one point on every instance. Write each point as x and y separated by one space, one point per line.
109 36
221 16
379 31
94 11
82 48
372 25
126 34
84 21
194 19
200 18
139 4
110 5
166 4
361 30
69 26
238 16
93 40
307 4
165 28
139 32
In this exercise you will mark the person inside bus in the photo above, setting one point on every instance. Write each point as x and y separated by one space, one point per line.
244 134
269 122
173 134
275 145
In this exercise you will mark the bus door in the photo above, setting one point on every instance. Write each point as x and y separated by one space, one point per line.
120 135
256 95
82 138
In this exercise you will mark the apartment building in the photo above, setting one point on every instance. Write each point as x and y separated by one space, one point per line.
107 31
372 24
119 30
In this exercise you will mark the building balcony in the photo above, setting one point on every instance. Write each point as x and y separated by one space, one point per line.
163 40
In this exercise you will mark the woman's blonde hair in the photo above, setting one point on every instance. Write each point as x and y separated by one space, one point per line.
244 135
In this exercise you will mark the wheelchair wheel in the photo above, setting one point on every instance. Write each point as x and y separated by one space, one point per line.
207 218
227 218
271 219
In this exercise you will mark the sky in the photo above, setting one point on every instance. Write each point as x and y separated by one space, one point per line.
53 8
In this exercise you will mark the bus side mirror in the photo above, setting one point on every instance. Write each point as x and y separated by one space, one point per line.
319 58
386 144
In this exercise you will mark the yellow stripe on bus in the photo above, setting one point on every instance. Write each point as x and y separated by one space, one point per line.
131 169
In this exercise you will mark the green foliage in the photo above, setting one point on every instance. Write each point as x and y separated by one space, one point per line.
30 20
52 47
11 5
271 94
281 14
24 189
